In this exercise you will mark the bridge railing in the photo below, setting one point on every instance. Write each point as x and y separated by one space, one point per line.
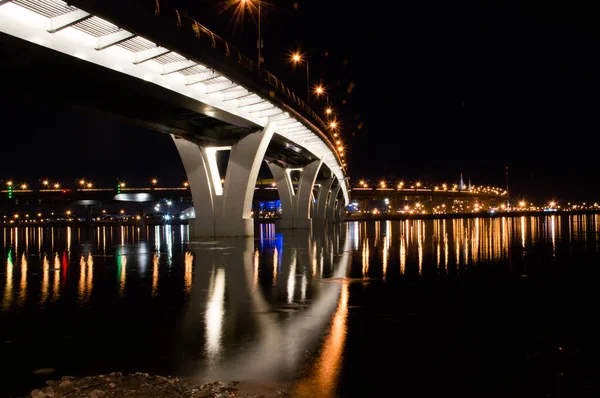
185 22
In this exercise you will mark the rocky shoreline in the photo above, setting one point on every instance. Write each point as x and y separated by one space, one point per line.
138 385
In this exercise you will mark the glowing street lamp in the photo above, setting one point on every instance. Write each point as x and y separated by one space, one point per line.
298 59
319 91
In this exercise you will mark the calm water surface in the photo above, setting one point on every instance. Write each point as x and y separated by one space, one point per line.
503 307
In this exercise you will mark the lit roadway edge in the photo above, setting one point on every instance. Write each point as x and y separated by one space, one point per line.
33 27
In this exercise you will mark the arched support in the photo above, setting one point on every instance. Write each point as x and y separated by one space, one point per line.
285 189
341 211
295 206
321 205
332 205
223 210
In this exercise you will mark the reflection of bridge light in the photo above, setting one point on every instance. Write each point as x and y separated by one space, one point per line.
122 271
365 258
327 369
215 311
169 239
81 290
256 268
8 288
188 263
45 279
23 285
56 282
386 245
291 282
155 274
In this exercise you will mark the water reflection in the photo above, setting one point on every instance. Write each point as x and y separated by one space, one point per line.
45 280
23 284
275 290
86 276
8 287
274 307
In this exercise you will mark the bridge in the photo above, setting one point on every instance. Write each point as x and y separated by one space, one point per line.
157 68
95 196
426 200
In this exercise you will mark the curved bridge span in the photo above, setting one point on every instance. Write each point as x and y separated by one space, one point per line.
172 74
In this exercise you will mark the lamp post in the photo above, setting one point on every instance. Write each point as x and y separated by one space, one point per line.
297 59
259 44
248 4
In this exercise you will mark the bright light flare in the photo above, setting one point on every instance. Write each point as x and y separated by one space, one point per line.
320 90
241 8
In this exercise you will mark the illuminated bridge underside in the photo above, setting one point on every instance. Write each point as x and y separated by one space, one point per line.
75 32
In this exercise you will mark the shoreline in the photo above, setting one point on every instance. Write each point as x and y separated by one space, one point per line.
384 217
144 385
346 218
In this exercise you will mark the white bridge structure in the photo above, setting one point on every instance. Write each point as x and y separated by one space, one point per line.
172 58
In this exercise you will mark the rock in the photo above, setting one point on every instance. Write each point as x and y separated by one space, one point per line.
38 394
142 385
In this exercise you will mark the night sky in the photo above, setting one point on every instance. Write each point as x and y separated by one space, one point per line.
424 90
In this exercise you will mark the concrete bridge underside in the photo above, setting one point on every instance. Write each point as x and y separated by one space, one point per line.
310 192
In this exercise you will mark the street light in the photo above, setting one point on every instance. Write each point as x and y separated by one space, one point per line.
319 91
298 58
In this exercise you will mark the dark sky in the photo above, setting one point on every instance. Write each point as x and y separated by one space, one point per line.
424 90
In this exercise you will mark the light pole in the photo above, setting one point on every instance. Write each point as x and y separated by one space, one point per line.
259 44
297 59
248 4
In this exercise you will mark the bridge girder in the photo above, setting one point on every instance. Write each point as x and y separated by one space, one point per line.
120 23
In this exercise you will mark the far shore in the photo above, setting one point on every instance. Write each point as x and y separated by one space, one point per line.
404 216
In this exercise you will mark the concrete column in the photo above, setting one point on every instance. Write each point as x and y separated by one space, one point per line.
331 204
295 206
240 180
304 196
286 193
340 211
223 210
321 206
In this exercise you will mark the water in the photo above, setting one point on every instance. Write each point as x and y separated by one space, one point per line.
501 307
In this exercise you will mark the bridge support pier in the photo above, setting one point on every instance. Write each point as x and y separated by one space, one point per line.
295 205
331 213
223 209
341 211
321 208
